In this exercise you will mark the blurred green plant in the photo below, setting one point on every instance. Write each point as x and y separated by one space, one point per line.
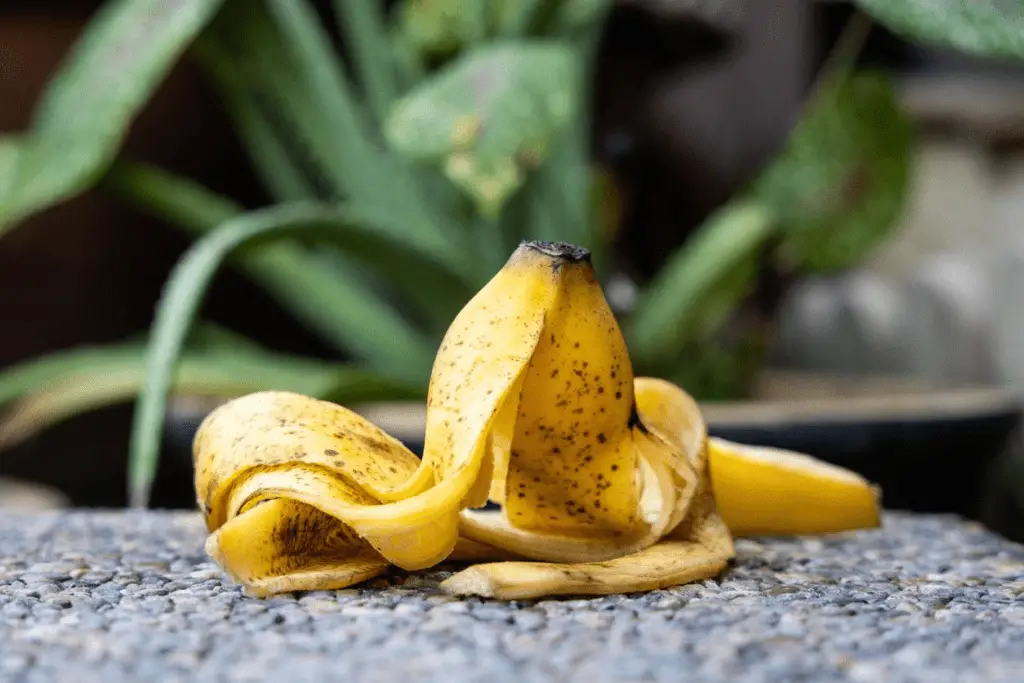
985 28
402 176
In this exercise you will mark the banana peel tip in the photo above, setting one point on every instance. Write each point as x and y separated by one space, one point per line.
470 581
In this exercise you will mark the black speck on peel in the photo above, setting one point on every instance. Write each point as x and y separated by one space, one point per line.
634 420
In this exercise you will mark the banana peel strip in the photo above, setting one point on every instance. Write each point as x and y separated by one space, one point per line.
602 478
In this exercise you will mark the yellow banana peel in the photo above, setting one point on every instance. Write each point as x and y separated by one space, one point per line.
765 491
607 483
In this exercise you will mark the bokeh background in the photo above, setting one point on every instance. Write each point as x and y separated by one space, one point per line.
905 364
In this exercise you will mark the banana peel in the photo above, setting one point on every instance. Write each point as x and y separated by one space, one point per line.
769 491
606 482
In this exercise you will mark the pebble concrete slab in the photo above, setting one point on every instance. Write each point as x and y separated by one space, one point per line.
111 597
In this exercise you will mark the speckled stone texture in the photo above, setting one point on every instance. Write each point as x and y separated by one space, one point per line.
111 597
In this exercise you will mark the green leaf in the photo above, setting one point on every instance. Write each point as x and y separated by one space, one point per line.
344 308
987 28
721 302
514 18
187 285
176 199
839 186
362 24
409 65
45 391
346 311
275 162
305 41
684 300
272 106
280 163
378 182
489 116
10 151
113 69
726 346
540 209
313 103
281 56
441 27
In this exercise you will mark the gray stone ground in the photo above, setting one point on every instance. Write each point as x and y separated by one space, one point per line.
111 597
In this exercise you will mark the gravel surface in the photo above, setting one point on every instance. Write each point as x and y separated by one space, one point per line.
111 597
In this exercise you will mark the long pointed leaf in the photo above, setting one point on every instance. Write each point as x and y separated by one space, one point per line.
367 39
378 180
184 291
346 310
123 55
305 42
286 61
173 198
670 313
246 54
40 393
275 161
